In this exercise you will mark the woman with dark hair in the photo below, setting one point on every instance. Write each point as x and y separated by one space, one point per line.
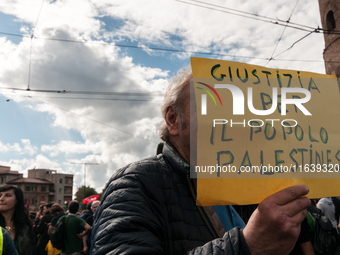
15 219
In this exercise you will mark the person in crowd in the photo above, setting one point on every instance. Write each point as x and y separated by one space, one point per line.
85 214
15 219
42 229
327 207
8 247
32 216
73 226
303 244
40 213
336 202
89 220
149 207
88 211
57 211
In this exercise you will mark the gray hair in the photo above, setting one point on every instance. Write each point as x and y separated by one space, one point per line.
175 98
94 203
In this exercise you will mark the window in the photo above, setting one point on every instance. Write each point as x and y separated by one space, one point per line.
60 191
43 188
330 21
60 180
28 188
59 202
67 190
2 179
34 188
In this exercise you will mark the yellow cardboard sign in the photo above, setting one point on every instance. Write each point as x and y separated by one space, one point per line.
261 130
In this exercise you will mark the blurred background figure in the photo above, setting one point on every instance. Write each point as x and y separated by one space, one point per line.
328 208
41 229
57 211
88 211
8 247
15 219
89 220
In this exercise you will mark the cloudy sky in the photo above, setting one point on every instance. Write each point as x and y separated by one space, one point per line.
106 55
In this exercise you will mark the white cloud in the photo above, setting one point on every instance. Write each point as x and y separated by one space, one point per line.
27 148
69 147
157 22
23 164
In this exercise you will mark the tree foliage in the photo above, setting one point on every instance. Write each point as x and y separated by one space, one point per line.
79 196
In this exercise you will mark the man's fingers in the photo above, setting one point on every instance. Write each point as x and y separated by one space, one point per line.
298 218
289 194
294 207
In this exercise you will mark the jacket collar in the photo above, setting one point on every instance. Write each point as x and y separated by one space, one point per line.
177 162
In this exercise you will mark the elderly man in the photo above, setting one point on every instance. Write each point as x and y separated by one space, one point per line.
149 206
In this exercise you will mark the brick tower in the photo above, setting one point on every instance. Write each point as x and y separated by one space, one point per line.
330 19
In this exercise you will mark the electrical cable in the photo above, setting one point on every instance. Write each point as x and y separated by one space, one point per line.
30 55
36 22
171 50
11 34
135 94
270 20
249 17
98 99
154 48
252 14
29 65
278 41
294 44
104 124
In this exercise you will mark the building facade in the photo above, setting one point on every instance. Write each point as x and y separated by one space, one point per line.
36 191
330 20
41 186
63 183
7 175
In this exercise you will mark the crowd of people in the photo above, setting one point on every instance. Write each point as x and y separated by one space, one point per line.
22 234
28 233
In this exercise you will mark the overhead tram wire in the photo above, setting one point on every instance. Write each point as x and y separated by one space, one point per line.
18 35
98 99
278 41
139 47
104 124
276 21
251 14
156 48
274 58
86 98
161 49
30 56
104 93
173 50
